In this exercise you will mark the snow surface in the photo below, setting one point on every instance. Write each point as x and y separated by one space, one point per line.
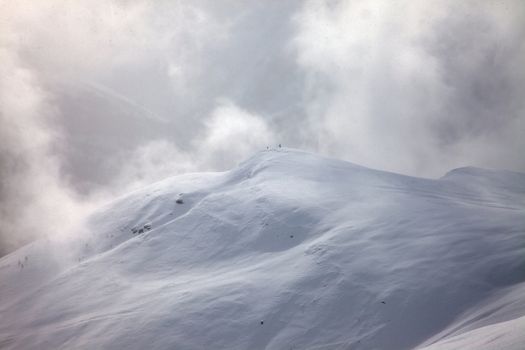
289 250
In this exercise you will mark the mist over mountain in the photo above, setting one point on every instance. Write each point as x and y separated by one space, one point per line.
95 94
344 174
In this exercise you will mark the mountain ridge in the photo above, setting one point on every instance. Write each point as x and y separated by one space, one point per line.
288 250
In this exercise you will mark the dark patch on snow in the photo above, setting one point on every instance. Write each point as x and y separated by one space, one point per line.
141 229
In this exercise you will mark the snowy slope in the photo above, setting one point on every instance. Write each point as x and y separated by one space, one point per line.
287 251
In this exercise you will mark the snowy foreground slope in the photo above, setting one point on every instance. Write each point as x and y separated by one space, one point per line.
288 251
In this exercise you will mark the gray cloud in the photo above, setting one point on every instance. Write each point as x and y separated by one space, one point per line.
98 97
415 88
481 65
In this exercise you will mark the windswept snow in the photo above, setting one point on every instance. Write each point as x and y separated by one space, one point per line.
287 251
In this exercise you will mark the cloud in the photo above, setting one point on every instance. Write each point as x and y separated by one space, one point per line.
34 201
105 95
414 87
231 134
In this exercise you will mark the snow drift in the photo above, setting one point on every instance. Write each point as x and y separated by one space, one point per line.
287 251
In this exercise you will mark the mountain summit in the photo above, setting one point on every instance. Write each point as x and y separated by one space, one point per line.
289 250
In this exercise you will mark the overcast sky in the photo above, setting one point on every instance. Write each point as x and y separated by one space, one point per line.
100 96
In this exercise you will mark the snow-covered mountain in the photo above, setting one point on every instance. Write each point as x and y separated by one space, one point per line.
289 250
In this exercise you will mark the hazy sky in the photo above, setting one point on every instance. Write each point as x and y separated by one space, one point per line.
100 96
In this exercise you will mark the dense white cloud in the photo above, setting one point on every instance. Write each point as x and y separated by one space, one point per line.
34 199
230 134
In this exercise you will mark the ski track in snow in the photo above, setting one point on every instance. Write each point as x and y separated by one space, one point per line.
289 250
